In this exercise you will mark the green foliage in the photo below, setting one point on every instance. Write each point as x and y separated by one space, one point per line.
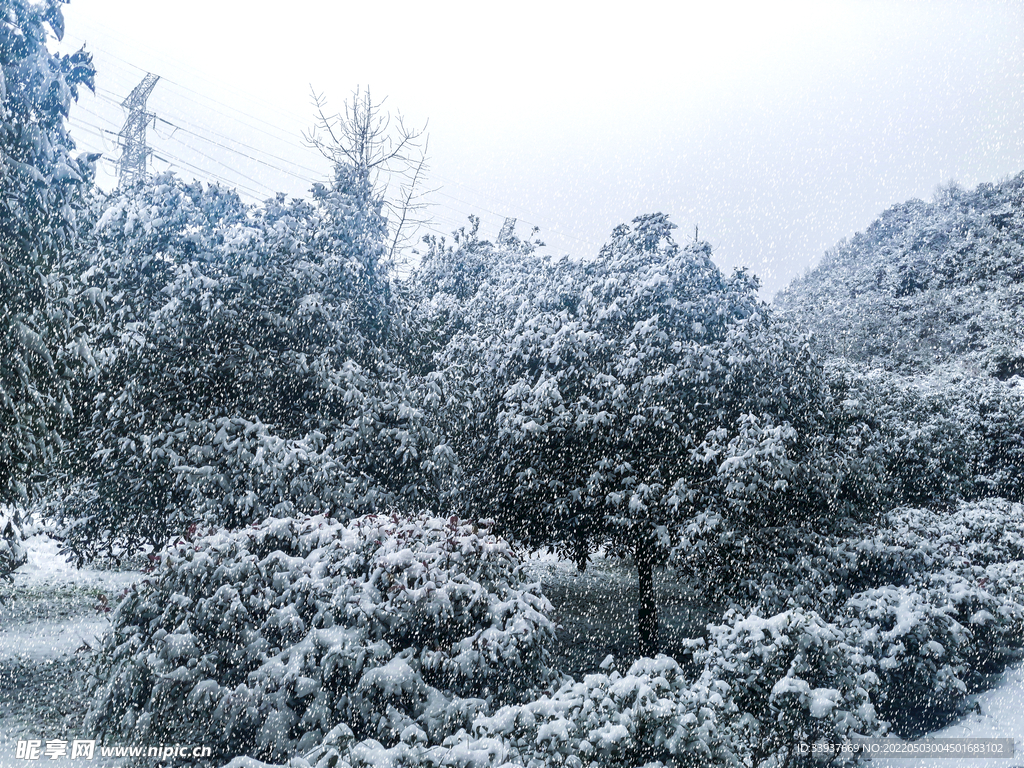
242 366
41 186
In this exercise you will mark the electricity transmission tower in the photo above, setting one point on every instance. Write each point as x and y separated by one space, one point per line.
132 165
508 231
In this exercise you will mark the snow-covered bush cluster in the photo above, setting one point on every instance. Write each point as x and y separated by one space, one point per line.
923 601
791 677
644 716
242 366
273 638
412 641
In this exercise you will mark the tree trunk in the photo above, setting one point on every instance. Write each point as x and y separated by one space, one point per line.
647 610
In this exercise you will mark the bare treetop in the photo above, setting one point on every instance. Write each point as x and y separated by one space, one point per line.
365 136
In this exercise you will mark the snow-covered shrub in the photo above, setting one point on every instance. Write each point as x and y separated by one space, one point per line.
831 668
916 647
650 713
775 569
820 570
992 411
924 600
12 551
977 533
978 573
648 716
793 677
926 448
989 603
267 640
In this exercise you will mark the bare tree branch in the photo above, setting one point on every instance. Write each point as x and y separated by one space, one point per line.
389 152
410 202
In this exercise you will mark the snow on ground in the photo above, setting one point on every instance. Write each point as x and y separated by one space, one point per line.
42 641
46 567
999 715
50 611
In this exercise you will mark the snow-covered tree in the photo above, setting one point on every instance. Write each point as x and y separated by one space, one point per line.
607 403
243 364
41 183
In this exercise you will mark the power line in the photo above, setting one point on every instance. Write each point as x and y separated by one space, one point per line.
108 132
284 133
253 151
99 133
224 165
134 154
230 149
173 160
102 131
200 136
178 161
233 140
263 162
85 109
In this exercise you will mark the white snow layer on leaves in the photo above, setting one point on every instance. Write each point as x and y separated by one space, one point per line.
410 642
265 639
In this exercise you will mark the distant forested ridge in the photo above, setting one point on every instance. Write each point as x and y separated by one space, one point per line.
925 284
920 315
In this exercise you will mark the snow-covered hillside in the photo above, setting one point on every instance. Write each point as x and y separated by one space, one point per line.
926 283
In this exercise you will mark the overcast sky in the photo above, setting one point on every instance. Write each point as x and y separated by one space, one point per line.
777 128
